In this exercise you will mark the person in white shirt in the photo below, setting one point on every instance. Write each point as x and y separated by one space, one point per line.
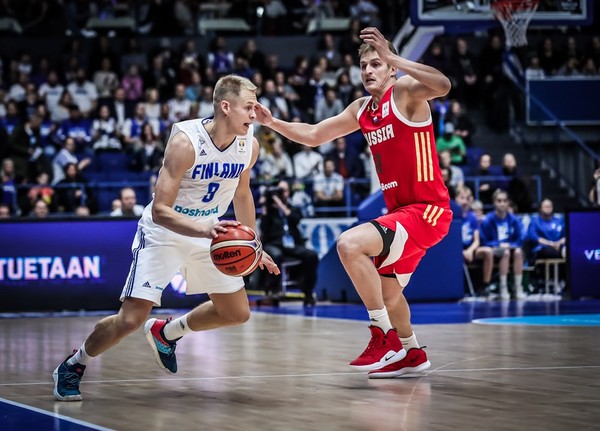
129 205
307 163
51 91
84 93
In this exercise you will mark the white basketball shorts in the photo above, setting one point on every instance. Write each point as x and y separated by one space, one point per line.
158 254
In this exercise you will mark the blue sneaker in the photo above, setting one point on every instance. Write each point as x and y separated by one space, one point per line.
66 381
164 350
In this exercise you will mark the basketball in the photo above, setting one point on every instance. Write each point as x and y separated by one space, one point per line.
236 252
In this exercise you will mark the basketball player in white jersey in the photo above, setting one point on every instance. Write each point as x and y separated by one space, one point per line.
206 166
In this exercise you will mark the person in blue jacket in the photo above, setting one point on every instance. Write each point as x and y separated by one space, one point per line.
546 233
502 231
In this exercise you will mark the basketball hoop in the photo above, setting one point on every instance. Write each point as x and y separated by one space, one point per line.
514 15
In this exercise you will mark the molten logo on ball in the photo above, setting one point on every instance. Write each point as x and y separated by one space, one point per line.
226 255
236 252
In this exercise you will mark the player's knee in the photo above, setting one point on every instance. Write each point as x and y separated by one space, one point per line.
238 316
347 246
126 324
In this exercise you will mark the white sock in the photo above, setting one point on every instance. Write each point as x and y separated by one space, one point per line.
519 283
381 319
503 280
80 357
177 328
410 342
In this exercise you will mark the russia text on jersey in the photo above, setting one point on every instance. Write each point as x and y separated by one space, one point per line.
380 135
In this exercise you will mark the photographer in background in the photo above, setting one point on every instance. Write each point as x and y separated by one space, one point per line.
281 238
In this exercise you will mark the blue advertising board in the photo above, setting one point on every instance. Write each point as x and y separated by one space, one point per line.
583 252
59 264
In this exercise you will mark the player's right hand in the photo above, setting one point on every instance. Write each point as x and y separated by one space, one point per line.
263 114
213 231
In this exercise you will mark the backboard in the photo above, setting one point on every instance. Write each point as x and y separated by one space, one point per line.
469 15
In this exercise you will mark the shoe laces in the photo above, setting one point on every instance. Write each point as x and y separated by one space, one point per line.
72 379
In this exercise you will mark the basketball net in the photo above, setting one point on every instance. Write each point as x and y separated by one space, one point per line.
514 15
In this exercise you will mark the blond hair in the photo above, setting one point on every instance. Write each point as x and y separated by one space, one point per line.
365 48
229 87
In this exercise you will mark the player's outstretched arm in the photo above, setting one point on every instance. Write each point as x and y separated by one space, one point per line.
427 83
179 157
312 135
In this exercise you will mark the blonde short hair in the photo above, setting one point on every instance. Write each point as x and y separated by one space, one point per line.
229 87
365 48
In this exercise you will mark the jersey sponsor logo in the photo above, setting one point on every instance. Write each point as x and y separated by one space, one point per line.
380 135
390 185
432 214
424 157
206 171
202 152
385 109
196 212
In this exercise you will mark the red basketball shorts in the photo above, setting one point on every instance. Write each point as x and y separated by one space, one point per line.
417 227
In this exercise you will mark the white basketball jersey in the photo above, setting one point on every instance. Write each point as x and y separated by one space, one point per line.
208 187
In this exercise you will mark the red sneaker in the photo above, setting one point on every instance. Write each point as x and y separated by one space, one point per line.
414 362
383 349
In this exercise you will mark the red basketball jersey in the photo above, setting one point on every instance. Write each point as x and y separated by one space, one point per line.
404 154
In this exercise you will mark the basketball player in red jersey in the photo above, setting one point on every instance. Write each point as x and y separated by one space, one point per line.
396 122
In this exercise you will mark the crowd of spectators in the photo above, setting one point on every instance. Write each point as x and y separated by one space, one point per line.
63 116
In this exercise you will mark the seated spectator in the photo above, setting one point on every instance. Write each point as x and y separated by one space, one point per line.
205 105
517 190
463 125
277 164
501 230
8 192
457 177
106 80
72 190
65 156
133 85
82 211
78 128
307 163
486 186
105 133
349 165
179 106
42 190
328 188
148 152
12 119
328 106
24 148
453 143
132 129
301 199
152 103
40 209
546 233
84 93
282 238
472 248
129 206
51 91
4 211
273 101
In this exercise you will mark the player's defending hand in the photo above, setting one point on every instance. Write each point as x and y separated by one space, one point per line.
372 36
212 231
267 262
263 115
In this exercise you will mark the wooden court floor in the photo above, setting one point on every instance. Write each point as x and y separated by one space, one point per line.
285 373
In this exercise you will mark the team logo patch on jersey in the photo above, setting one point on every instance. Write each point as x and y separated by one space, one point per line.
241 146
385 109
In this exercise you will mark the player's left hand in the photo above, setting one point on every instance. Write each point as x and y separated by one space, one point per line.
372 36
266 262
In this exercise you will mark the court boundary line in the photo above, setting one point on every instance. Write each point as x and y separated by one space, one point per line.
55 415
